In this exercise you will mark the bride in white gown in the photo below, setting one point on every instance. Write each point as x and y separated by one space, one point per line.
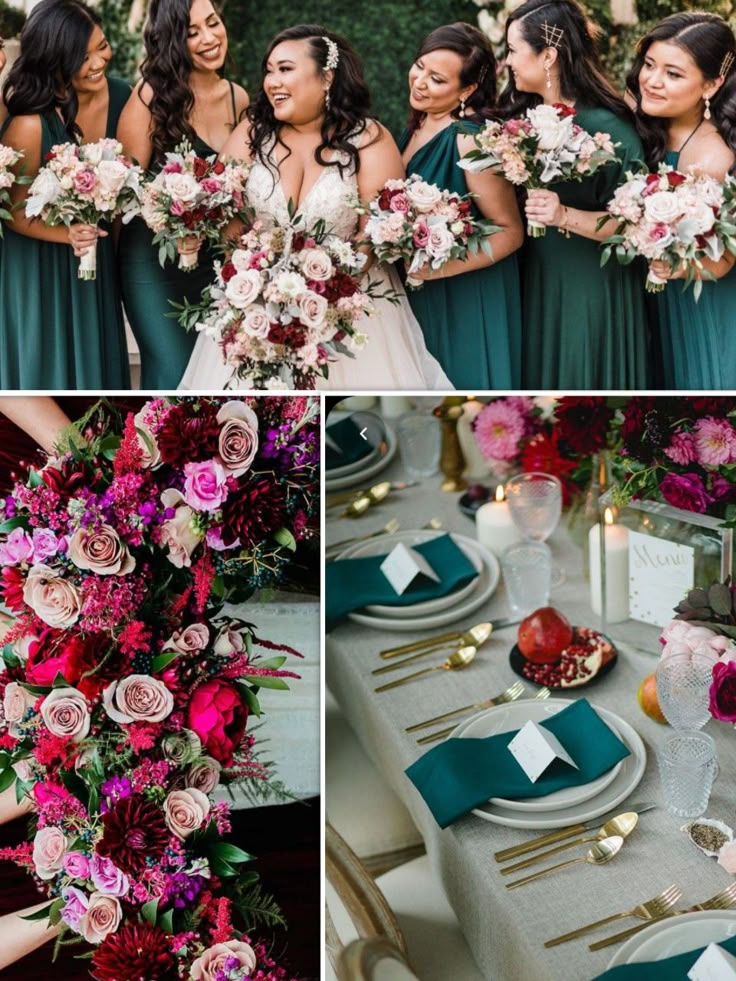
312 144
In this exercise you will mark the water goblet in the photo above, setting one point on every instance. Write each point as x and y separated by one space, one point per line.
683 685
535 505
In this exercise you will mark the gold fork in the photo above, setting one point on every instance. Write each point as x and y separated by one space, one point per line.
649 910
390 528
506 696
541 694
722 900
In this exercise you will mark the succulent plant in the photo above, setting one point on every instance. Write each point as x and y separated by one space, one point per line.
714 608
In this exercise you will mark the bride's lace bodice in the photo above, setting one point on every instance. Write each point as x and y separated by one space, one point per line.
329 198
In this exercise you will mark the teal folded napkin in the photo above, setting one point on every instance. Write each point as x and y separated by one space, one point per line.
460 774
671 969
351 445
351 584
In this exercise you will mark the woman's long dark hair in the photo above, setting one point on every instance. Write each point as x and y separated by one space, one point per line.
708 40
479 68
581 74
53 46
347 114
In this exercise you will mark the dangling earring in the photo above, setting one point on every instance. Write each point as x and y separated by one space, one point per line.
327 99
549 77
461 114
706 114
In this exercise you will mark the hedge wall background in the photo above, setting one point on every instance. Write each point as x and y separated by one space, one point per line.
385 32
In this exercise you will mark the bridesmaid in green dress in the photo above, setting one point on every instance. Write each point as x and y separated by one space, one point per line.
684 83
584 327
469 310
57 331
181 95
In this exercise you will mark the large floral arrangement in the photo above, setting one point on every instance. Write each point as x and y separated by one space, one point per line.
127 692
545 145
424 225
672 217
87 183
287 300
192 196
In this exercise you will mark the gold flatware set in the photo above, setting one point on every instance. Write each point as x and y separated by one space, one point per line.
489 703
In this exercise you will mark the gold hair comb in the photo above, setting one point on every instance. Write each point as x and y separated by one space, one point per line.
552 35
726 64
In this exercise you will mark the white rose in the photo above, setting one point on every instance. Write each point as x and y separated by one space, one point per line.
316 265
423 196
243 288
440 241
290 284
241 259
111 177
93 153
45 190
256 322
698 220
552 131
312 309
662 207
181 187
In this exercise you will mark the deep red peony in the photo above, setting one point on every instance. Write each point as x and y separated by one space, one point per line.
218 715
137 952
134 830
71 655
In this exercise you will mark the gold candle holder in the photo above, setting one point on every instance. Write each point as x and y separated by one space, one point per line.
452 461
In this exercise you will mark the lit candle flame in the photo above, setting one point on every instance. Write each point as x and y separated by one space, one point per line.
500 495
608 516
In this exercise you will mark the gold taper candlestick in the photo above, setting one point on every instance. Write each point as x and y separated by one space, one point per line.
452 461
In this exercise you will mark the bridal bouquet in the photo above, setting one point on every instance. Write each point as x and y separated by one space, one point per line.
670 216
192 196
87 183
542 147
423 224
286 301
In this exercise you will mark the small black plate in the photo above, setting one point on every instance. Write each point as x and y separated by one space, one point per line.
517 662
474 498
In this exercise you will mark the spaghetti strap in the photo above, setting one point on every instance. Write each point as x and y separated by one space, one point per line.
232 102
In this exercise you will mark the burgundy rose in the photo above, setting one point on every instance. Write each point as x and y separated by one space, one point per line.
218 715
685 491
134 830
583 423
137 950
723 691
254 513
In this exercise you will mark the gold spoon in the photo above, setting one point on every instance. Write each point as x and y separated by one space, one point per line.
476 635
456 661
622 824
480 637
599 854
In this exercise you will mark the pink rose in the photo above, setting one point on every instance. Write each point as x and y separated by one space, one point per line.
107 877
16 703
238 440
49 848
186 811
206 967
177 209
100 551
53 599
77 865
205 485
210 185
399 202
75 908
421 235
316 265
680 636
102 918
65 712
17 548
138 698
204 775
84 182
45 544
193 638
178 533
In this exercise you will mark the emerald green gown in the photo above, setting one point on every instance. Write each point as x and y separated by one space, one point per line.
698 350
585 327
56 330
471 322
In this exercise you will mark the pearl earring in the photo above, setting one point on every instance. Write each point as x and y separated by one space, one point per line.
706 114
461 114
549 77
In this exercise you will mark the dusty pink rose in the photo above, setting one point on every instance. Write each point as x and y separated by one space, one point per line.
53 599
102 917
206 967
185 811
100 551
316 265
84 182
204 775
49 849
178 533
65 712
16 702
399 202
421 235
210 185
205 485
193 638
138 698
76 906
45 544
238 439
727 857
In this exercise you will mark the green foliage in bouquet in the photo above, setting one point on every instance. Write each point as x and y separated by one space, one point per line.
714 608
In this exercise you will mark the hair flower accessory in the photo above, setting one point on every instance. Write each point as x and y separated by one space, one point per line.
333 54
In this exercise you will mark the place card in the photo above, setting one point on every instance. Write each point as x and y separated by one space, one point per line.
403 566
660 574
534 748
714 964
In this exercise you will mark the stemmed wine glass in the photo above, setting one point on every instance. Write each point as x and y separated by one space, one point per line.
535 505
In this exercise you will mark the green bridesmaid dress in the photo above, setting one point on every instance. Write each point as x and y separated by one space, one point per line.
471 322
56 330
585 327
697 348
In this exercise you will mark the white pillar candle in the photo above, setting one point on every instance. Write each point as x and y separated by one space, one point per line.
494 526
617 570
393 406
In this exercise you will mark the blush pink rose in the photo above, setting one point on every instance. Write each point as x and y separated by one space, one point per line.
205 485
206 967
237 443
65 712
186 811
100 551
178 533
56 601
49 849
102 917
16 703
229 641
138 698
193 638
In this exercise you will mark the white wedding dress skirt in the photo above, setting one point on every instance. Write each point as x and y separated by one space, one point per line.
395 356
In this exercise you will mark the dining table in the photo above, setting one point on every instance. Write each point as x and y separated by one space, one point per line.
504 929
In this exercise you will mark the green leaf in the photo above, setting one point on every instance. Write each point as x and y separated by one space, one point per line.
251 698
10 657
7 778
265 681
273 663
40 914
34 478
11 523
149 911
166 921
160 662
55 912
60 681
221 867
230 853
284 537
22 790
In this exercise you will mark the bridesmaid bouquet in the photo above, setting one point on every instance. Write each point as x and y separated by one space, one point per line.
423 224
87 183
8 159
192 196
544 146
287 299
673 217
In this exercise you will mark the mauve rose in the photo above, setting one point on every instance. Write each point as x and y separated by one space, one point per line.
312 309
17 548
256 322
138 698
210 185
399 202
196 637
244 288
238 440
229 640
205 485
685 491
178 532
185 811
316 264
421 235
723 691
84 182
107 877
53 599
75 908
212 961
204 775
440 241
49 849
16 702
100 551
77 865
65 712
102 918
218 715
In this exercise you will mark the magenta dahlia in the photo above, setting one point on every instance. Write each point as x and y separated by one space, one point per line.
135 830
137 952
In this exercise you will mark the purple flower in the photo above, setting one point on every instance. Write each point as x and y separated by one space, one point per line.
108 878
685 491
114 790
77 865
75 908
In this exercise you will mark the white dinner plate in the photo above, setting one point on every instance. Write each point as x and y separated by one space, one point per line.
505 718
367 470
384 544
623 784
671 937
334 473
